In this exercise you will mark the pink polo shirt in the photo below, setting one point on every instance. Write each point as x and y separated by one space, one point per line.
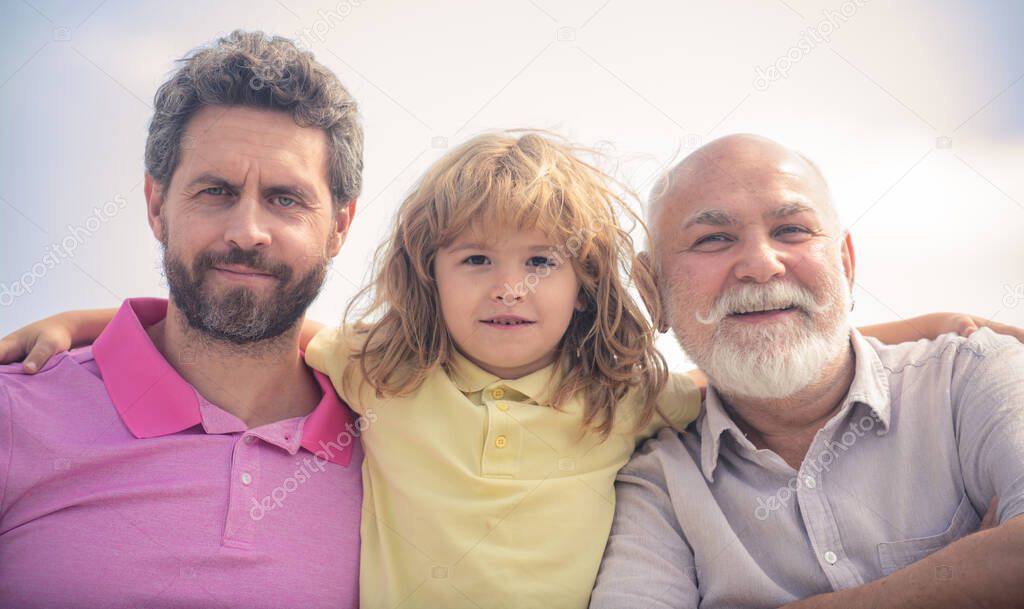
123 487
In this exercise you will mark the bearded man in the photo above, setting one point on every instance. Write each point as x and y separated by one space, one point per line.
189 458
826 466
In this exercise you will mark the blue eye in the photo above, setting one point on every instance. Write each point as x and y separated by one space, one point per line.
476 260
286 201
216 191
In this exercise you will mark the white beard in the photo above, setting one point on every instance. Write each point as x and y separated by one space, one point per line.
777 360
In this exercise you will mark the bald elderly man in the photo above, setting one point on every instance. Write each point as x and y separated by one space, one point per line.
826 466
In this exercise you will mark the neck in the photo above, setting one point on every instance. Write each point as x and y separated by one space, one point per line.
259 384
787 426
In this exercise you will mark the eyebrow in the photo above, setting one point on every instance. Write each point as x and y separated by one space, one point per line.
714 217
212 179
791 209
469 246
483 246
718 217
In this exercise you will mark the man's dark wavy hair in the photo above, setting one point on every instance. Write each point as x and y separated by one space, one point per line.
255 70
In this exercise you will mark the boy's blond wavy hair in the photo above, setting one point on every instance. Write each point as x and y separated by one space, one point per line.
517 180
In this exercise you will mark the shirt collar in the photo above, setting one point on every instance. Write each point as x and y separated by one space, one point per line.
154 400
870 387
470 378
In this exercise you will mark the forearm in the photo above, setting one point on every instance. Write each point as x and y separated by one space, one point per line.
981 570
915 328
85 326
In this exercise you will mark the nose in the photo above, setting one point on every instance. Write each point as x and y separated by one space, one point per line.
509 287
759 262
247 223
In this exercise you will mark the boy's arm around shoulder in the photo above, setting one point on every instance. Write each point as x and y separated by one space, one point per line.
330 351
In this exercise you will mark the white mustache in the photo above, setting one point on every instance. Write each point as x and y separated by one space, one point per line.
749 297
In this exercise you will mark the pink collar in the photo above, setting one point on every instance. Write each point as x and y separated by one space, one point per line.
153 400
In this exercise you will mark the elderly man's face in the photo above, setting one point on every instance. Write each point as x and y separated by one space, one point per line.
247 222
754 271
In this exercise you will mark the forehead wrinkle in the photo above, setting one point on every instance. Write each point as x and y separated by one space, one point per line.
740 163
270 141
792 208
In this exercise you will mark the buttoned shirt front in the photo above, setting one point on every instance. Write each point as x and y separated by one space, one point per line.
928 433
122 486
480 494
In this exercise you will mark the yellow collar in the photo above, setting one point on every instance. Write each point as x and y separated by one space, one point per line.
470 378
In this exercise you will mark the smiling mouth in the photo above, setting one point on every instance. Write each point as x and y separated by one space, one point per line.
762 315
507 322
763 311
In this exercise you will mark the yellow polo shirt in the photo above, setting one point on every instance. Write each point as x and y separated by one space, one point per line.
476 494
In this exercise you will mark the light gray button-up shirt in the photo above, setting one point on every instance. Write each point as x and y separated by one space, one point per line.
928 433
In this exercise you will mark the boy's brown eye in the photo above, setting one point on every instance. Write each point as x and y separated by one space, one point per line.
476 259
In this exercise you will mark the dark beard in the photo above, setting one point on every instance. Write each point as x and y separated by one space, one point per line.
240 316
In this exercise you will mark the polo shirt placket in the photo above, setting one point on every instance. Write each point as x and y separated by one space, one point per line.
503 441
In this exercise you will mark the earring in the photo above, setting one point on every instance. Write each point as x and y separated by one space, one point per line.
853 303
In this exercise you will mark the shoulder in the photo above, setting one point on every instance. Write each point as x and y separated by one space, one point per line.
332 348
678 405
658 455
681 400
53 374
61 391
950 349
985 343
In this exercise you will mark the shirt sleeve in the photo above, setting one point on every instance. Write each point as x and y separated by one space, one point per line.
679 402
328 352
647 562
988 397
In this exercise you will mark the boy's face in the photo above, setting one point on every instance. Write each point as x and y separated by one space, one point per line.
507 299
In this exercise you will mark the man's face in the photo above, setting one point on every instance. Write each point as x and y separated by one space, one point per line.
754 271
247 222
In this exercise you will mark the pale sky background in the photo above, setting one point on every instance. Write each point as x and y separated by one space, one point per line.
911 107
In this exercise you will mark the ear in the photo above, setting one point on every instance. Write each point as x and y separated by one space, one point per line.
648 263
342 222
154 205
849 259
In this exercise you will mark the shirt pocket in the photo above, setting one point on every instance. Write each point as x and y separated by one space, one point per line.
894 555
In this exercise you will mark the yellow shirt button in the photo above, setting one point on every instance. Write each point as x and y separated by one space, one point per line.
502 406
501 441
498 393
